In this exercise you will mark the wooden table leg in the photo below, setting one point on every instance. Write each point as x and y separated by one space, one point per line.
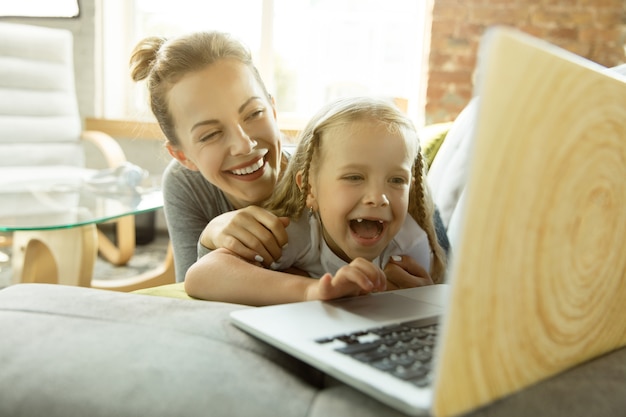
120 253
63 256
67 256
161 275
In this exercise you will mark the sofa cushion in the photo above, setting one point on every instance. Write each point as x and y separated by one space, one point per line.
176 290
71 351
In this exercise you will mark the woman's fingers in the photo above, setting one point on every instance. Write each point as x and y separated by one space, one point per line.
252 233
256 237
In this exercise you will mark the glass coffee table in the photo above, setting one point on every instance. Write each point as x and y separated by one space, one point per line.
55 237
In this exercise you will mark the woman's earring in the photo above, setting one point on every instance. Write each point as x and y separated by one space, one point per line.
311 212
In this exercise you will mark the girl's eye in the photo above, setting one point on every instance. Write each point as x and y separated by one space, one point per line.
353 177
399 180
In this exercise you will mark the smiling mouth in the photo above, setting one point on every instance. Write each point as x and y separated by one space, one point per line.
367 229
250 169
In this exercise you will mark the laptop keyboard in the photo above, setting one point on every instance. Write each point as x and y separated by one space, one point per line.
404 350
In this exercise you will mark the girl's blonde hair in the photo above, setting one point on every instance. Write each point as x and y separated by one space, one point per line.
164 62
289 200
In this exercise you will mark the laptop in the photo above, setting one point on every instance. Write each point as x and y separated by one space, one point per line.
537 279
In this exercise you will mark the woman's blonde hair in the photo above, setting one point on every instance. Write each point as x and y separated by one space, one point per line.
289 199
164 62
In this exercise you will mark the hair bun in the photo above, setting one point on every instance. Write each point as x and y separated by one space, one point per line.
144 56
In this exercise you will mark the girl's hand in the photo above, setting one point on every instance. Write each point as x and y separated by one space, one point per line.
360 277
404 272
252 232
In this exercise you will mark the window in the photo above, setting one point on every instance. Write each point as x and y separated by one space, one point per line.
308 51
39 8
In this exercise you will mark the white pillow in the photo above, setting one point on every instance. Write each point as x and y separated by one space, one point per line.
448 174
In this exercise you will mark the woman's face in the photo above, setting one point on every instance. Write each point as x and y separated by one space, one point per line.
227 130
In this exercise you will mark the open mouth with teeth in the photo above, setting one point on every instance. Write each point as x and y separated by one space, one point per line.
367 229
250 169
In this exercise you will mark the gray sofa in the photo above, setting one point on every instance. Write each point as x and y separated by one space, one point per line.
71 351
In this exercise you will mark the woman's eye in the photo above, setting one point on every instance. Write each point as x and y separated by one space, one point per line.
209 136
255 114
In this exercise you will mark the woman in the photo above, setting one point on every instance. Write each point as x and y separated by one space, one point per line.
220 125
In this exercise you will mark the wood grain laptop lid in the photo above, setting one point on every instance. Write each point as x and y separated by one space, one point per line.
539 275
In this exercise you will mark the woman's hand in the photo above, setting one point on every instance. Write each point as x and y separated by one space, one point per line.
405 272
360 277
252 232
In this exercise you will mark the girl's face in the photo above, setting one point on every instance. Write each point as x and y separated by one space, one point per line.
227 130
360 187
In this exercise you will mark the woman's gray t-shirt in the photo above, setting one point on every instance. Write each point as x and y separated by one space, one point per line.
190 203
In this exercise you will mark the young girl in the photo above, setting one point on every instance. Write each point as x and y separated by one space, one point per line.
359 171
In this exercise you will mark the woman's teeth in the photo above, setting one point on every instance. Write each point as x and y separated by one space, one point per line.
249 169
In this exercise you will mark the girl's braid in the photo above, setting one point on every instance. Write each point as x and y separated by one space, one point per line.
422 209
309 150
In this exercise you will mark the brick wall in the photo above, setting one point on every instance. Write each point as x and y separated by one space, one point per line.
594 29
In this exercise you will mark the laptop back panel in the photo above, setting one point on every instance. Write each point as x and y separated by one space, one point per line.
539 274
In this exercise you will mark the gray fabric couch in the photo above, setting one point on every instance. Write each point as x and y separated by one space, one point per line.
70 351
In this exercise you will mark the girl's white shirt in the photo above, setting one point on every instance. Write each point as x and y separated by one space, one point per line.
307 250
